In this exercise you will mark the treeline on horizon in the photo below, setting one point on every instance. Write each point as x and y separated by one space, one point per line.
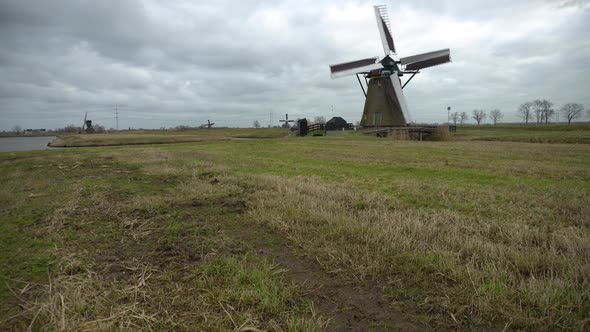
539 110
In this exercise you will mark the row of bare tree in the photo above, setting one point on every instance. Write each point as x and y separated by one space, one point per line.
477 115
460 118
541 110
480 115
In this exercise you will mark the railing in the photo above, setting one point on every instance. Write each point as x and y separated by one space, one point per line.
317 129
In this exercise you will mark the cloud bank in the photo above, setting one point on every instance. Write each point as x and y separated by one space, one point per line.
167 63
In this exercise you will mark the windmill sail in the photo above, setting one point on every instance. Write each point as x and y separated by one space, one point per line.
425 60
84 123
393 88
383 26
353 67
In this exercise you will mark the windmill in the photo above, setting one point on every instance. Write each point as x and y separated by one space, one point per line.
87 125
209 124
385 104
286 121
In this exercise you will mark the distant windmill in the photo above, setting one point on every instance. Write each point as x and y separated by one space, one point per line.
209 124
385 104
286 121
87 125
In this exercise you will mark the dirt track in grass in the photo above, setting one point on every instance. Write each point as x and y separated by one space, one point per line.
348 304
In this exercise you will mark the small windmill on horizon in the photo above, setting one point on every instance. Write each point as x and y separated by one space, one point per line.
207 125
87 125
286 121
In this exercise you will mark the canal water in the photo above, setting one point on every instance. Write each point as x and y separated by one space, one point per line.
8 144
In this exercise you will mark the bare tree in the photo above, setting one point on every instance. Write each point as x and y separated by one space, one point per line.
478 116
319 119
549 112
256 124
98 128
524 110
455 117
463 117
496 115
543 110
17 129
71 129
572 111
538 110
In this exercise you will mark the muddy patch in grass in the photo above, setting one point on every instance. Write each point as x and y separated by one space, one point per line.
348 304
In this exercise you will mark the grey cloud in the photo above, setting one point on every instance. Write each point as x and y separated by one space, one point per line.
169 63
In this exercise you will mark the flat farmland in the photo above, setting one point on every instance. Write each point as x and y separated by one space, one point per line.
298 234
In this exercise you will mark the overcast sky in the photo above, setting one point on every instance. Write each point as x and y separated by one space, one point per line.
167 63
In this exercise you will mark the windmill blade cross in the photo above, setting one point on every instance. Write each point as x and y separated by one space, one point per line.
385 103
286 121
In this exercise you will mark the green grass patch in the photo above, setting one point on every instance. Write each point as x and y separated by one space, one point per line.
532 133
142 137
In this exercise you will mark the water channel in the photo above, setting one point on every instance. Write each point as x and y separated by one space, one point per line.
9 144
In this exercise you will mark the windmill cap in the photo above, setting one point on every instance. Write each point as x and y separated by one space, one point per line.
387 61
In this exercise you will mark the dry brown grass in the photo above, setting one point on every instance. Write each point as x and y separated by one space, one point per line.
505 268
79 299
471 235
140 255
441 133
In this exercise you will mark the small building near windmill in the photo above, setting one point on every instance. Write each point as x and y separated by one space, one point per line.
336 123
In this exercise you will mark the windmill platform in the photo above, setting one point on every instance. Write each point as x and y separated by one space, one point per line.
409 132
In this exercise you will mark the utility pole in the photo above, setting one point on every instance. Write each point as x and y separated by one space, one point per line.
117 116
449 115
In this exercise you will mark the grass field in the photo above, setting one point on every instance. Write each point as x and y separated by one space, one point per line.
575 133
298 234
142 137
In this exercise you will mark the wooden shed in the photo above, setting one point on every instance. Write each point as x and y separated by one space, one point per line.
336 123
